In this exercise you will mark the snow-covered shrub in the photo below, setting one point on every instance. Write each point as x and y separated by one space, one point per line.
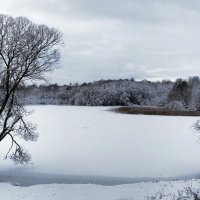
187 193
175 105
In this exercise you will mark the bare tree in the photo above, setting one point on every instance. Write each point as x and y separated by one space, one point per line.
27 51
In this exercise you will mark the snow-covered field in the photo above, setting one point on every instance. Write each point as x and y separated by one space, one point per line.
92 141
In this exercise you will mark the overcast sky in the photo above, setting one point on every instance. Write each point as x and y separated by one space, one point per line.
111 39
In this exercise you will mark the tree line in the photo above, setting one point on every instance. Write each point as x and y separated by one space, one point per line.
180 94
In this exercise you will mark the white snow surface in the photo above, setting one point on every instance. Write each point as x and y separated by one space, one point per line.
139 191
93 141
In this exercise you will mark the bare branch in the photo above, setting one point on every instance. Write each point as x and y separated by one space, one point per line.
27 51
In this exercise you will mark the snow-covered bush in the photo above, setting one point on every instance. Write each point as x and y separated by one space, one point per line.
175 105
187 193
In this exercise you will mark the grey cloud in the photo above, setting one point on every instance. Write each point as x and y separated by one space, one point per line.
154 11
119 38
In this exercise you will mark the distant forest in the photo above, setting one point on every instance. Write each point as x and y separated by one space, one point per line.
179 95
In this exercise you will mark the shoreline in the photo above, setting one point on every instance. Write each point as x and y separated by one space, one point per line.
26 179
147 110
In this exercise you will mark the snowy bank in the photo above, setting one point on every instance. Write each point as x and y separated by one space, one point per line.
139 191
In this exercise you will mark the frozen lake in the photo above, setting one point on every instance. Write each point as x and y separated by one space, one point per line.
91 141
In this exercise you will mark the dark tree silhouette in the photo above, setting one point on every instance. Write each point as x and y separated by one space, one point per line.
27 51
181 91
